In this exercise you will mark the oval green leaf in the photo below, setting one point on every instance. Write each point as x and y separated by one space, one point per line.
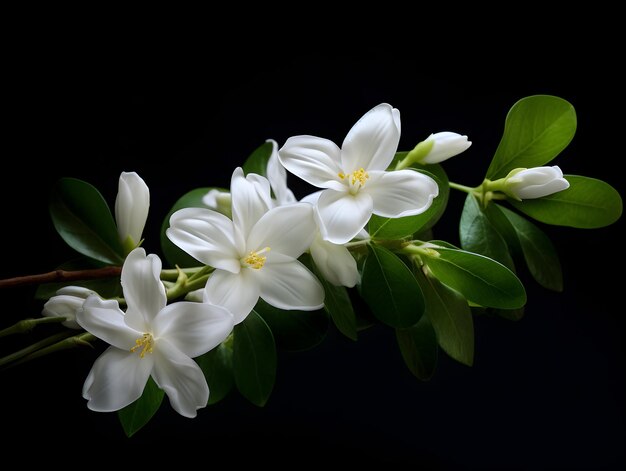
83 219
257 161
294 330
539 253
136 415
172 253
478 278
588 203
418 345
397 228
254 359
479 235
337 302
217 366
390 289
536 130
451 318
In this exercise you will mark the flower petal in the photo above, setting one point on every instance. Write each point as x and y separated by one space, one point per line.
116 379
236 292
343 215
131 206
208 236
314 159
66 306
277 176
291 286
105 320
288 230
251 199
335 262
193 328
373 140
181 378
143 290
401 193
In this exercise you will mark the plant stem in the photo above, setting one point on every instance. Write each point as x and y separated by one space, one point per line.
34 347
61 275
464 188
26 325
79 340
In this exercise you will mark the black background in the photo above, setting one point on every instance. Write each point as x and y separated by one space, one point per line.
545 392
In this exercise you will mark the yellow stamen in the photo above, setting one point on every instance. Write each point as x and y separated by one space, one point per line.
256 259
359 176
146 343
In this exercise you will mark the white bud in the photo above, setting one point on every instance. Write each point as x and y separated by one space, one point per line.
65 303
537 182
444 145
131 207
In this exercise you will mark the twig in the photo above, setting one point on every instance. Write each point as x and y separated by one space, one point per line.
61 275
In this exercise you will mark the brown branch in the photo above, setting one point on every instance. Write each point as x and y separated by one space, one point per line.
61 275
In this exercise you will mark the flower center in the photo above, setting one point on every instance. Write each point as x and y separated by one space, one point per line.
356 179
145 343
256 259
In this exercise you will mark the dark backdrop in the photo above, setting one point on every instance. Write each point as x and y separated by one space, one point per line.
545 392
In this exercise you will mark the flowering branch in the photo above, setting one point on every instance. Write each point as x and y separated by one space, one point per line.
61 275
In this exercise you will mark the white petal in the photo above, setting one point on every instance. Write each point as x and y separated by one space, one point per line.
236 292
312 198
335 263
131 206
315 160
539 191
65 306
343 215
291 286
445 145
373 140
251 199
208 236
288 230
105 320
401 193
116 379
143 290
277 176
181 378
78 291
193 328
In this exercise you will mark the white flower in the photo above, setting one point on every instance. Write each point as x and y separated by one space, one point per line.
444 145
218 200
354 177
151 339
534 182
254 254
131 209
67 301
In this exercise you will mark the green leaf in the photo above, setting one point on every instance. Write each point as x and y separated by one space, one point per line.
479 235
337 302
480 279
134 416
217 366
389 288
418 345
84 221
397 228
539 253
257 162
173 254
254 359
587 204
536 130
294 330
451 318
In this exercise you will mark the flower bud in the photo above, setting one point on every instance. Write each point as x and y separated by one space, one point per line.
441 146
131 209
536 182
65 303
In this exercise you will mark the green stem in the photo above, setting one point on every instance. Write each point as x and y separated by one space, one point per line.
33 348
26 325
171 274
80 340
464 188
